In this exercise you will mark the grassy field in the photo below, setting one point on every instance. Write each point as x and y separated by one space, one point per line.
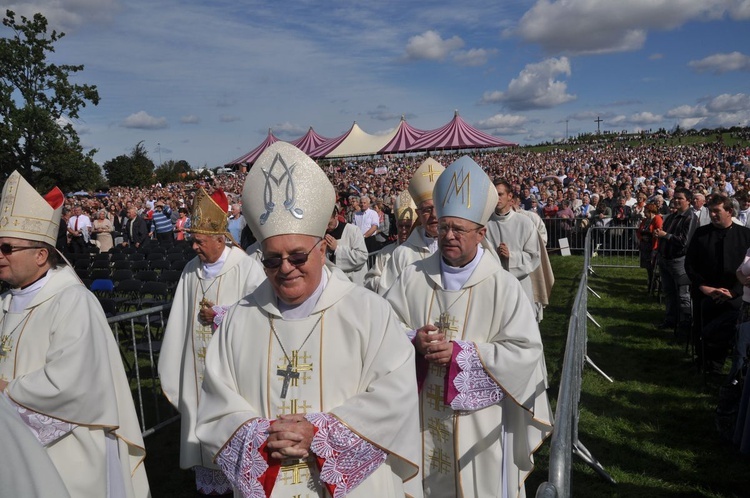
653 429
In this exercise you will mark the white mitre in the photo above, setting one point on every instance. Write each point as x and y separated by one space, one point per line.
423 180
465 191
286 192
24 214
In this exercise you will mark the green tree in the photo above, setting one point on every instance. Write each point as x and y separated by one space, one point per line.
172 171
37 102
134 170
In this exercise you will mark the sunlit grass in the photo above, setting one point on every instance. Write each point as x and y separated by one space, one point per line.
653 428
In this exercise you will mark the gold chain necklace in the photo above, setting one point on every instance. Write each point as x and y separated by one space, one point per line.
205 303
6 341
290 372
445 322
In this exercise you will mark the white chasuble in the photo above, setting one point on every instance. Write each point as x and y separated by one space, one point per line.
415 248
183 351
481 443
64 365
353 378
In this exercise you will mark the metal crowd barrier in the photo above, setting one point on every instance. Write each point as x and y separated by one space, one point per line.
611 246
139 349
564 442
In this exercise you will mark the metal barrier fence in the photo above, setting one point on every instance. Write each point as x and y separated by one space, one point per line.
135 333
564 441
611 246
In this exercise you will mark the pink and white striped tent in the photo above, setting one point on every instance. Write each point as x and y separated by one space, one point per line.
251 156
457 134
309 141
405 137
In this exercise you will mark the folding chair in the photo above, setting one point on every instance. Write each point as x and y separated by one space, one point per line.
102 287
99 273
146 276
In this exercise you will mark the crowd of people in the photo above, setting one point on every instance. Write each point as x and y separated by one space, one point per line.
421 281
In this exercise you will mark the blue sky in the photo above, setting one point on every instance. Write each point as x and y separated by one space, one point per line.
203 81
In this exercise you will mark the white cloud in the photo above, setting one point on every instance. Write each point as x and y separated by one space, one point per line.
722 63
593 26
729 103
430 46
141 120
190 119
229 118
64 15
473 57
535 87
288 130
505 124
723 110
645 118
655 57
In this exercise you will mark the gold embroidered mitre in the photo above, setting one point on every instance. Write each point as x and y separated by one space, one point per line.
405 208
286 192
24 214
422 183
209 213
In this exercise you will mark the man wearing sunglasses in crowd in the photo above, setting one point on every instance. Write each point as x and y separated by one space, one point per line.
217 277
60 366
310 372
480 362
423 239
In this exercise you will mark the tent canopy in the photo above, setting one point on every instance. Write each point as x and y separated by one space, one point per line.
456 134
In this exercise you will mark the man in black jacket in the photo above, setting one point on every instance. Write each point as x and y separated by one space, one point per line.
714 253
674 238
136 231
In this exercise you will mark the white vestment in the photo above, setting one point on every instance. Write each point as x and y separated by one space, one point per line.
64 363
25 469
354 364
351 254
491 446
543 278
183 351
520 235
415 248
372 277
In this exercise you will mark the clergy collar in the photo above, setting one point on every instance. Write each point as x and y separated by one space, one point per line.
454 277
303 309
430 243
23 296
210 270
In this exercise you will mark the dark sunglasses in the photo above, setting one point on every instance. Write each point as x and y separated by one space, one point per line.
8 249
295 259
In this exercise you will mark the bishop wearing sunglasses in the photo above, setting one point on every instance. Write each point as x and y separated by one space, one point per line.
59 364
310 371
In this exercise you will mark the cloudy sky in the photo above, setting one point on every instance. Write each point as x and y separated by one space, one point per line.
204 80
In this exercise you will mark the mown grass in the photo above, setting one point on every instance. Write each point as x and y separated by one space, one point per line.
653 429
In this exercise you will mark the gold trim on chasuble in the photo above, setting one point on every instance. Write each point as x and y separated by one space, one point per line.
8 348
205 332
298 472
438 419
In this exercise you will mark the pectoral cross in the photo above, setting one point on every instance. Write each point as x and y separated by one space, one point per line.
447 325
6 346
288 373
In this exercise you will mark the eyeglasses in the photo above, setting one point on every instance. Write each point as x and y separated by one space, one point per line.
295 259
426 210
7 249
458 232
